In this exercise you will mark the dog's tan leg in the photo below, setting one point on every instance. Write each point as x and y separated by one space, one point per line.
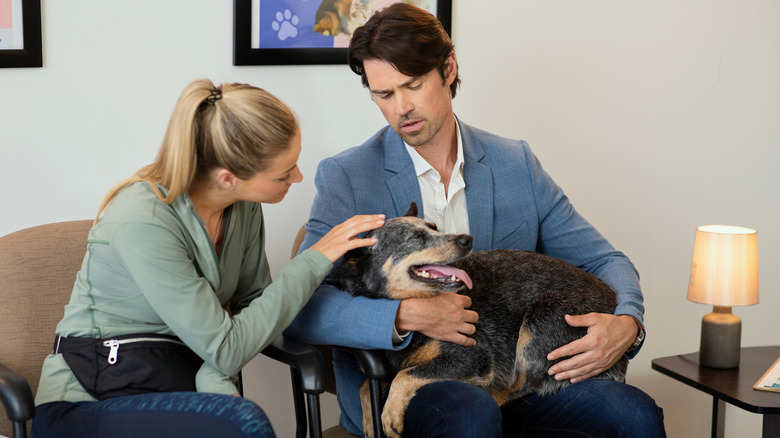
365 403
516 390
403 388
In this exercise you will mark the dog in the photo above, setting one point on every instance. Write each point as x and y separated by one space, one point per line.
332 17
521 298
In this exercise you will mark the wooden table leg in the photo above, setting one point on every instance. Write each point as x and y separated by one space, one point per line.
718 418
771 426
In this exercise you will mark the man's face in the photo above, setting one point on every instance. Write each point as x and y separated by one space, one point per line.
415 107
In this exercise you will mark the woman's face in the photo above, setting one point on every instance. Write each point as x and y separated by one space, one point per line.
270 186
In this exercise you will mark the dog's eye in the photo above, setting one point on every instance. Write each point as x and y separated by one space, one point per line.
421 235
432 226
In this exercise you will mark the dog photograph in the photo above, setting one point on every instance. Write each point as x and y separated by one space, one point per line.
341 17
521 298
316 24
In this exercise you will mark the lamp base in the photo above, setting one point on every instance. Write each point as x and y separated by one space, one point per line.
721 332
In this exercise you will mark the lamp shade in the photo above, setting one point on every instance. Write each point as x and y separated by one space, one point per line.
724 271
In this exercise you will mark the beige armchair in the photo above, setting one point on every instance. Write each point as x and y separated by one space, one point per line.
38 267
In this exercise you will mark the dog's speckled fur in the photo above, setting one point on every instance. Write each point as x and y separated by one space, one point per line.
521 298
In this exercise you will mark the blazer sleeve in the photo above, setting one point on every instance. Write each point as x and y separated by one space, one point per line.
333 316
567 235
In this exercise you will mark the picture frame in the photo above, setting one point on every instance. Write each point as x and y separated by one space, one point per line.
20 33
288 32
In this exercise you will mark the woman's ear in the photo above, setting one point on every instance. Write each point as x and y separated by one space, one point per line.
226 179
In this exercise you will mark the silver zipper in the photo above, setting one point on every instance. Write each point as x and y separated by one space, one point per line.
115 343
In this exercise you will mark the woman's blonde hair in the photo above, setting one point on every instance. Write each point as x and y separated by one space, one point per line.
234 126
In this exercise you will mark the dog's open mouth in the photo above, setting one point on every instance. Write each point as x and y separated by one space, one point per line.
444 275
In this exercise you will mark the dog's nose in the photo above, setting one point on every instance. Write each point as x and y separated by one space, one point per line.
463 241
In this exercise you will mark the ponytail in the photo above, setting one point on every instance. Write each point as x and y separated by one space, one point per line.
235 126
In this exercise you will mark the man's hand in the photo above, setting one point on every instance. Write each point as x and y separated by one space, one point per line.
444 317
608 338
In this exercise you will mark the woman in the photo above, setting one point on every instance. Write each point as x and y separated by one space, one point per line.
176 258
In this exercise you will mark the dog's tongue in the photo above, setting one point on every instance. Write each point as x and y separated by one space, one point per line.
448 271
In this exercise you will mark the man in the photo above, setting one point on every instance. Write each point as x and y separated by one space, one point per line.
467 181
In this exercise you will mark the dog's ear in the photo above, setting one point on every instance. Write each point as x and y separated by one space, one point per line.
412 210
353 263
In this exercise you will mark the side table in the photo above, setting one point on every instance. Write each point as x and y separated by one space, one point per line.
733 386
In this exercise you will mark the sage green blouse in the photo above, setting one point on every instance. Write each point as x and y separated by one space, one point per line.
150 268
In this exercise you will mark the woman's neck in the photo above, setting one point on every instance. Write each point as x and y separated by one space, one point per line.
210 203
210 199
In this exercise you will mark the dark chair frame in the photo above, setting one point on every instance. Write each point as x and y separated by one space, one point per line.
307 373
17 399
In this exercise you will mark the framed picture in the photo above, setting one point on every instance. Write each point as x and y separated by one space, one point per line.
20 33
276 32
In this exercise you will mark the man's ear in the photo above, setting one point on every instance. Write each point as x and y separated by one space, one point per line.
451 69
412 210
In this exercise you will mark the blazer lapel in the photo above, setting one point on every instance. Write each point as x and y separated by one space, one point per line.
401 181
479 190
400 176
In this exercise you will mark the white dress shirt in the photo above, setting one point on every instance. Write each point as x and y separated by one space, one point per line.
447 210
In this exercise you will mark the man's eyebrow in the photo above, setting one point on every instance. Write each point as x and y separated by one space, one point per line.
403 84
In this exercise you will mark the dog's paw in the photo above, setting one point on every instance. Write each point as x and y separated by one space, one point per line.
368 427
392 423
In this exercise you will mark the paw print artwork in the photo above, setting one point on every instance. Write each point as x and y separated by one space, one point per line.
285 25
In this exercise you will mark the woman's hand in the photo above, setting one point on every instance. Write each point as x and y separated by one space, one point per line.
341 238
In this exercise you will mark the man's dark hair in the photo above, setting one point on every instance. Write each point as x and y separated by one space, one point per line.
409 38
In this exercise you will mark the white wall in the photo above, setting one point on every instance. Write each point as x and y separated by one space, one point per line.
655 117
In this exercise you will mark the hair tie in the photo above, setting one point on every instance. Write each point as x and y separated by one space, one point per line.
214 96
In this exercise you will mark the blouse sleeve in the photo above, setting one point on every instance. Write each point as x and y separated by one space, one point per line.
158 260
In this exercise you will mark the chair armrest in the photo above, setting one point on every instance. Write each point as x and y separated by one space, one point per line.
301 356
373 362
376 367
16 395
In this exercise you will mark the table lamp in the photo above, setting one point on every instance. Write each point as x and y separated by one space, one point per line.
724 273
